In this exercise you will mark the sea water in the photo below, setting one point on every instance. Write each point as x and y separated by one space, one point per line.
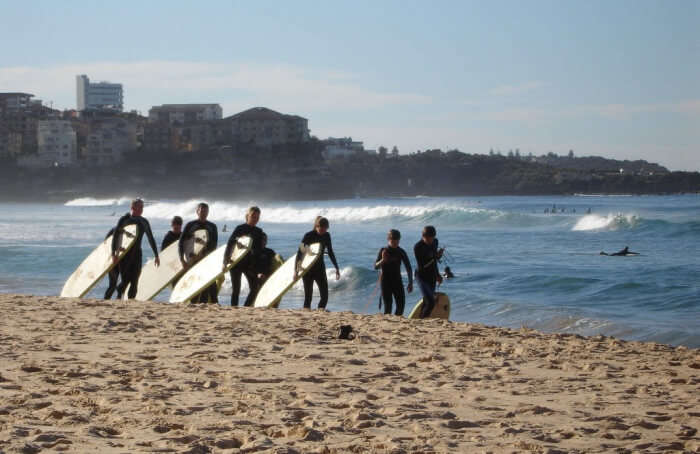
518 261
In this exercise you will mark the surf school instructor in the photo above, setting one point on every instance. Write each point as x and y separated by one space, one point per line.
317 273
131 263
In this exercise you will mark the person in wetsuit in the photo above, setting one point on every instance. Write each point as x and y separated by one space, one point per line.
264 264
173 234
210 293
247 265
113 275
389 260
427 271
130 265
622 252
317 273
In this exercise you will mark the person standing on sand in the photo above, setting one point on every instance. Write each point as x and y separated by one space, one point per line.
317 273
427 271
389 260
173 234
247 265
210 293
264 264
112 276
131 263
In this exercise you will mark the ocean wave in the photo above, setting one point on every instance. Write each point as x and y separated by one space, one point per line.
606 222
92 202
304 213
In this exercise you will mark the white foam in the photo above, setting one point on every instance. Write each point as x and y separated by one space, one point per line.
303 213
607 222
92 202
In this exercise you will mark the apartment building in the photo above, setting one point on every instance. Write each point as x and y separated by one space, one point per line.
98 96
265 127
180 114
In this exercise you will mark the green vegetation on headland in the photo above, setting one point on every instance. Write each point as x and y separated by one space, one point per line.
300 172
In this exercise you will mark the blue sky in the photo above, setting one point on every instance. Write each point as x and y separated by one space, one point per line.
619 79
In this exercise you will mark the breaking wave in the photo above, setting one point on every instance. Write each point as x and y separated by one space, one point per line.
606 222
92 202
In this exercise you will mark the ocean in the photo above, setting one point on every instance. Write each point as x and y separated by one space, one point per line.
516 263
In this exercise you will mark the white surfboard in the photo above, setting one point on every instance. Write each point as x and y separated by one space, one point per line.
208 270
98 263
441 309
155 278
282 280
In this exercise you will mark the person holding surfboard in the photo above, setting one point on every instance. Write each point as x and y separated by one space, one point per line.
173 234
389 261
317 273
112 276
268 261
247 265
131 263
210 294
427 271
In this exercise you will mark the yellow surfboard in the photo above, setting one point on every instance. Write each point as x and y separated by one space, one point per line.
441 309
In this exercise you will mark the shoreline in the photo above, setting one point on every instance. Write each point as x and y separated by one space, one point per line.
97 376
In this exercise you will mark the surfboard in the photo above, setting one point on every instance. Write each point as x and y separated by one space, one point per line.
98 263
208 270
441 309
155 278
282 280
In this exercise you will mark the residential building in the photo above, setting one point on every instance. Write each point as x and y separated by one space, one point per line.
264 127
57 143
19 114
184 113
344 146
108 140
98 96
10 143
14 102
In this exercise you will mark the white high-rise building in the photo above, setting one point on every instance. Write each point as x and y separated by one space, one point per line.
99 96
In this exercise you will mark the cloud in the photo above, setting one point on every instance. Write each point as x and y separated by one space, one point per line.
235 86
517 89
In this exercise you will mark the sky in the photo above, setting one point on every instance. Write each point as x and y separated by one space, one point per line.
618 79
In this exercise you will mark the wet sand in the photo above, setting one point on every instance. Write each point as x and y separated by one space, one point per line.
98 376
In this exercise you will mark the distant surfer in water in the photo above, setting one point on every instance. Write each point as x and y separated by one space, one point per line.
173 234
448 272
210 293
248 263
389 260
427 271
623 252
131 263
317 273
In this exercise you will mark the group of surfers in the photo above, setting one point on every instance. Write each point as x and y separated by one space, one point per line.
257 264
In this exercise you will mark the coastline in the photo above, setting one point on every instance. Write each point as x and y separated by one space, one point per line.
97 376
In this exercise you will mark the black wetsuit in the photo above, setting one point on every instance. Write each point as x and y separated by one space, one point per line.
169 239
246 265
210 293
391 281
427 273
317 273
263 264
130 265
113 275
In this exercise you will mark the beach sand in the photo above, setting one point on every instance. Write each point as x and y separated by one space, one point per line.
99 376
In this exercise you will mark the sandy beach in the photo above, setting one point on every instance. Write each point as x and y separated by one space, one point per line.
107 376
